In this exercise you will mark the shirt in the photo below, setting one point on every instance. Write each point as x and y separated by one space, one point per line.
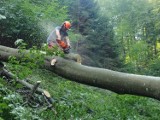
52 37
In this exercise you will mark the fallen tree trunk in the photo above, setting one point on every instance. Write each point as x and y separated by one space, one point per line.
121 83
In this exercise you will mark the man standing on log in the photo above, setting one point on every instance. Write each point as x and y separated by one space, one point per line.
59 36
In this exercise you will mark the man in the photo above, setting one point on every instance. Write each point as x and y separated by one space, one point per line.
59 37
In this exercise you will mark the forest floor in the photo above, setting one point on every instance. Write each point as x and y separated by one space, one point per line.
81 102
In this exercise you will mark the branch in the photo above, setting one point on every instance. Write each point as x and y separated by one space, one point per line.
4 72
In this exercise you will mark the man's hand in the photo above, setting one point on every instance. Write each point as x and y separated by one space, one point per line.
58 39
69 46
66 50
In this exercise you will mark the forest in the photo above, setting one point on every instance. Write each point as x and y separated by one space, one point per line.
112 35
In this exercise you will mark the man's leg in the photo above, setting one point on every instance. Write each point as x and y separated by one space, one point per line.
50 44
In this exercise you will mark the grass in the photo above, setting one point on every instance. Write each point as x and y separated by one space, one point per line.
74 101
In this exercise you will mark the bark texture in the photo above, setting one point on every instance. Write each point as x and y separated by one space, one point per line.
121 83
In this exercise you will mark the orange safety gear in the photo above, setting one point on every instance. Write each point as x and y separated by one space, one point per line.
67 24
62 44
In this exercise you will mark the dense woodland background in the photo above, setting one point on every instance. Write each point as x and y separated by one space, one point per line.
121 35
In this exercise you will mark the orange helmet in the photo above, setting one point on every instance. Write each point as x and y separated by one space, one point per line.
67 24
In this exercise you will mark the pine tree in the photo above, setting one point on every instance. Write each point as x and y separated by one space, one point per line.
97 45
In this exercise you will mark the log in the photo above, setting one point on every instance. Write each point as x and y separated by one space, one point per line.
119 82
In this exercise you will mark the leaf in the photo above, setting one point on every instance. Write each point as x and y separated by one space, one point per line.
3 105
2 17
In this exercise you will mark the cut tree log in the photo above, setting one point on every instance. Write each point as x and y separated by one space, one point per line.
121 83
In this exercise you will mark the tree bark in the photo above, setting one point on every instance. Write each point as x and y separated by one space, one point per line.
121 83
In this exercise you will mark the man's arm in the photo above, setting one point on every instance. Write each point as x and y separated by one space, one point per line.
58 34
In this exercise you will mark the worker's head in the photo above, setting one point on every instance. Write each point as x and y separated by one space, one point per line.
67 25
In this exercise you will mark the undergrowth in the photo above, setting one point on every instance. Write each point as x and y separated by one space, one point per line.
74 101
81 102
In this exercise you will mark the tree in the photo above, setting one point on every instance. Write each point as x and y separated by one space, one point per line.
121 83
134 25
25 20
96 46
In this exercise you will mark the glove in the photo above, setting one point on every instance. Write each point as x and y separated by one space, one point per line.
66 50
62 44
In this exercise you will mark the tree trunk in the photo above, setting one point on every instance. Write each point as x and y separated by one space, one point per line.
121 83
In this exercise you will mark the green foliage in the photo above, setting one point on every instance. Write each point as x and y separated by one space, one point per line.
54 11
133 23
11 103
136 31
1 118
22 25
137 58
24 113
54 51
11 106
28 61
96 34
76 101
4 108
154 67
24 20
